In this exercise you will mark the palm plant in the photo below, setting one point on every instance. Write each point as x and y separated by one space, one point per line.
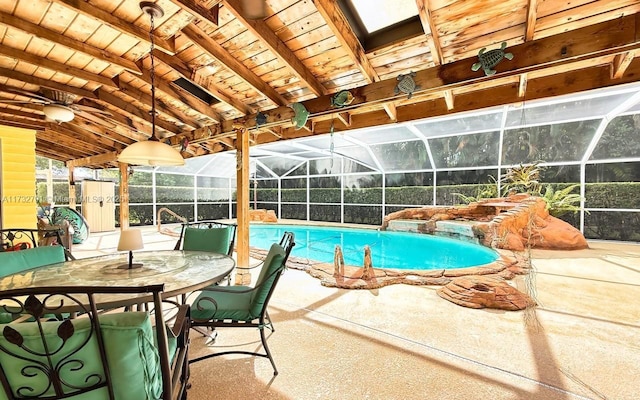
560 202
523 179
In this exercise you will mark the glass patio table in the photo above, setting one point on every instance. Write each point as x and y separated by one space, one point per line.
180 271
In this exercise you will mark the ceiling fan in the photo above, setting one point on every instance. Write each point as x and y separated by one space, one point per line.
57 106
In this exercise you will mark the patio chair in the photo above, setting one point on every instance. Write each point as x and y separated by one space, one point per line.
214 236
244 306
13 262
15 239
115 355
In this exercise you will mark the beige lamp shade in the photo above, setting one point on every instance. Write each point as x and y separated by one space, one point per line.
130 239
151 152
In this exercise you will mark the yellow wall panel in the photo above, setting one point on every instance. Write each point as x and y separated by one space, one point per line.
18 177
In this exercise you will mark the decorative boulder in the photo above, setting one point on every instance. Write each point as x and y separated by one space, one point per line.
477 291
263 215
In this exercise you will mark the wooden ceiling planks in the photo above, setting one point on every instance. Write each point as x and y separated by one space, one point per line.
304 51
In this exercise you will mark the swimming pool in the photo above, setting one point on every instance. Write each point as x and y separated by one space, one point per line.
399 250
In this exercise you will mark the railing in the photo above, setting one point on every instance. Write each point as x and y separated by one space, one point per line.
167 231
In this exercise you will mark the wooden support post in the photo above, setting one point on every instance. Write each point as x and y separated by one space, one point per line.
72 189
242 206
124 196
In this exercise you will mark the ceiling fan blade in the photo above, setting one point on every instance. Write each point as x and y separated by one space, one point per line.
7 101
80 107
34 96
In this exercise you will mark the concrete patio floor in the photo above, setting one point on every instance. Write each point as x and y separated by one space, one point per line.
405 342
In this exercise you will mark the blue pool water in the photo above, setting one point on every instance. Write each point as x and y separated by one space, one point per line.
398 250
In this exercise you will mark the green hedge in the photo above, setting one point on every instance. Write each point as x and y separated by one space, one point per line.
613 195
598 224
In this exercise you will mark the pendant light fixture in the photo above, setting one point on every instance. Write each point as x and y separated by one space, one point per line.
151 152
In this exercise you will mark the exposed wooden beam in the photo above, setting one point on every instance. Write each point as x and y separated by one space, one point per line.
34 80
128 28
51 153
522 85
145 98
90 140
344 117
200 12
550 55
182 96
21 122
620 64
532 16
174 63
23 114
46 143
185 72
123 192
553 85
113 133
125 124
223 97
390 109
261 30
55 66
431 30
448 99
94 160
134 111
215 50
59 138
335 19
57 38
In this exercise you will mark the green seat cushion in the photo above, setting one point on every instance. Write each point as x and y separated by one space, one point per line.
132 357
13 262
172 343
215 240
272 267
234 305
240 303
5 318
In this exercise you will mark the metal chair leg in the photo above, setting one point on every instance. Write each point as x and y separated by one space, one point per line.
211 337
266 349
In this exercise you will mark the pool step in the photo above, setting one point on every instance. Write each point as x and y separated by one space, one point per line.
461 230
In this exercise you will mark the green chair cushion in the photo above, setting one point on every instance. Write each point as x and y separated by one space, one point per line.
132 357
240 303
268 274
234 305
5 318
13 262
215 240
172 342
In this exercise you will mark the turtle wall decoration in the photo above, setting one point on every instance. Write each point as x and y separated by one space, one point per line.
406 84
341 99
300 115
261 119
490 59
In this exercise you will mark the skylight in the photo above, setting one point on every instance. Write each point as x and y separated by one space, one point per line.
379 23
379 14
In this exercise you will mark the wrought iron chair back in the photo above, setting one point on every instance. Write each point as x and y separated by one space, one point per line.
228 229
22 238
88 352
